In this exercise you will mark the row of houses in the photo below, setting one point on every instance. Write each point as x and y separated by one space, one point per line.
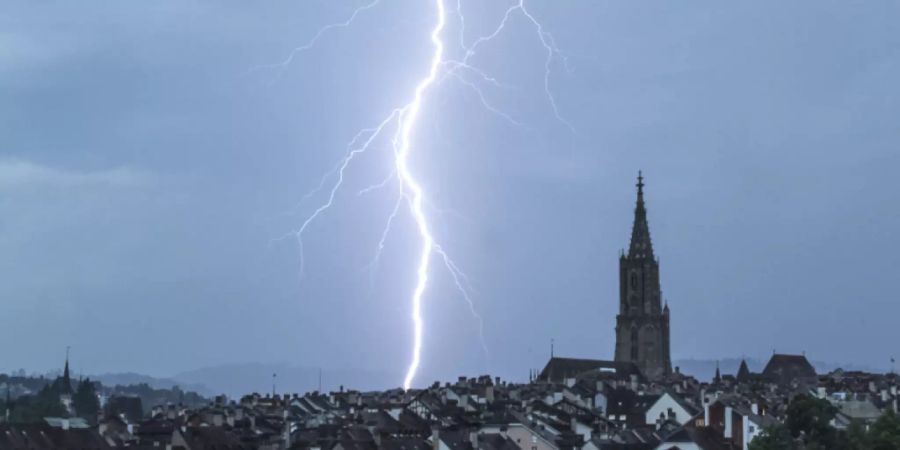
572 404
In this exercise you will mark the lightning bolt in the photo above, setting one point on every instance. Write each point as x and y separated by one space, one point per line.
413 190
405 118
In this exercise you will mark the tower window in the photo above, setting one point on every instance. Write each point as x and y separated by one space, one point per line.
634 280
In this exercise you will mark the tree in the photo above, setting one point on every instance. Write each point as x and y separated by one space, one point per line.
857 439
85 401
809 418
33 408
884 434
776 437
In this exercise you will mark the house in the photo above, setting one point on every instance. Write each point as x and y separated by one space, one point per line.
668 406
693 438
735 421
46 437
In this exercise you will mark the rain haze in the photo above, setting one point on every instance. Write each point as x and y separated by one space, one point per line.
155 161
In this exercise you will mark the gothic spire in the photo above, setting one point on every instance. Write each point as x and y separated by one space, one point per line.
640 247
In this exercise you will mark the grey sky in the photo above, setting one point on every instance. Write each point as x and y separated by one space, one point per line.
146 167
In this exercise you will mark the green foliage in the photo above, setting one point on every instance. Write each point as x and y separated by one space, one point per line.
85 401
884 434
776 437
856 436
808 427
33 408
150 396
809 419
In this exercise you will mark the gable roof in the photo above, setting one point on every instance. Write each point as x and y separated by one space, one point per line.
704 438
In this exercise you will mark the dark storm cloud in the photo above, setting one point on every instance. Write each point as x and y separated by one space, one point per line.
145 169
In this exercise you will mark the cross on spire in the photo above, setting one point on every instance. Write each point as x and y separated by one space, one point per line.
641 246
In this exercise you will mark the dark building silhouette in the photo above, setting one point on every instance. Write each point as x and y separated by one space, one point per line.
743 373
66 378
559 369
642 326
787 369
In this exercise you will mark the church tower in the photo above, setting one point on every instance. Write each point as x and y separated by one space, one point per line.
642 326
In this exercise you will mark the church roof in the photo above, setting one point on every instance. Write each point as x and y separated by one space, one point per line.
783 369
641 246
558 369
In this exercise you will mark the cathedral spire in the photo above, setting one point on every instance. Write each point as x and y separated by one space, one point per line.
640 247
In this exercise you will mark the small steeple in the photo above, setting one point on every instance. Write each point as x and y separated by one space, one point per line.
718 377
743 373
67 380
640 247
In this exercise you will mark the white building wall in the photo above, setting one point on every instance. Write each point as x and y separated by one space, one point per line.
662 406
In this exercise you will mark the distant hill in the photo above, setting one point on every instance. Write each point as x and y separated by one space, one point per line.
239 379
131 378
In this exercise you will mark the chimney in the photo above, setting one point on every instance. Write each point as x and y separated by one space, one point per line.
728 431
705 413
473 438
634 382
754 408
884 395
435 437
497 381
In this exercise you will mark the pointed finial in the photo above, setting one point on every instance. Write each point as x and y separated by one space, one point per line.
551 347
640 183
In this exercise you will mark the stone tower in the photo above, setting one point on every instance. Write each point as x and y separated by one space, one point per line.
642 326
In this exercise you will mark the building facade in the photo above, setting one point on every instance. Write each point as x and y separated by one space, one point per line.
642 325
